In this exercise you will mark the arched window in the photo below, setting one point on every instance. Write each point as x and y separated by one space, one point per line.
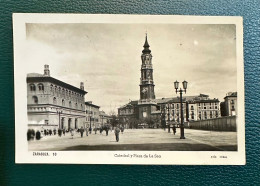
35 99
40 87
192 107
32 87
54 101
51 87
63 102
70 104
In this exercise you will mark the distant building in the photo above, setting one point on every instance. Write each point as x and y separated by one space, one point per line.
229 106
150 110
202 107
52 103
104 118
199 107
92 115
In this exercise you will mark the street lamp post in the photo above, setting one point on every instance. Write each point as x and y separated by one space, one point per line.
59 112
168 109
176 86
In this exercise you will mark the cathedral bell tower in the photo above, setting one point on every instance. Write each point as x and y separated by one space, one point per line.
146 81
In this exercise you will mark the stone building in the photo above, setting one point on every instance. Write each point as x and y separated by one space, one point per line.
92 115
150 110
105 119
52 103
168 110
229 106
202 107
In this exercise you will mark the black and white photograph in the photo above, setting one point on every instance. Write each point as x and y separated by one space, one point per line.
129 89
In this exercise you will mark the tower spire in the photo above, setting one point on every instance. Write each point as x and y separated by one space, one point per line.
146 46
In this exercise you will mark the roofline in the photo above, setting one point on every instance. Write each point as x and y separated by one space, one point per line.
87 103
55 81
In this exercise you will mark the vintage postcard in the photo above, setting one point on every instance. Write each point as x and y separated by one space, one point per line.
129 89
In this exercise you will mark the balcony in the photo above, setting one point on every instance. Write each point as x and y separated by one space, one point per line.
146 66
145 81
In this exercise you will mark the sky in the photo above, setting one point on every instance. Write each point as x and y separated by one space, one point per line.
107 58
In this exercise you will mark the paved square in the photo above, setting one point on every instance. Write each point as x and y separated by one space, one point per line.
140 139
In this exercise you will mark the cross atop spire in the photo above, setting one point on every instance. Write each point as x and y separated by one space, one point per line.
146 46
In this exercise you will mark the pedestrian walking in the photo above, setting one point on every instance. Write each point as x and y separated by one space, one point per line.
107 129
122 129
59 132
45 132
72 133
38 135
174 129
117 131
90 130
81 131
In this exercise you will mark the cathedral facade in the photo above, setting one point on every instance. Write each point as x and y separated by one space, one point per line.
151 112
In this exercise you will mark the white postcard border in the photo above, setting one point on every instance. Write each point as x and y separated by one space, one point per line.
22 155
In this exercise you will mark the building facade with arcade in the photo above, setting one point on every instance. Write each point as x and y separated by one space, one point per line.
52 103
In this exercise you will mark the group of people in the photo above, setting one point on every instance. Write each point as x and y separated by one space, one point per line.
104 128
49 132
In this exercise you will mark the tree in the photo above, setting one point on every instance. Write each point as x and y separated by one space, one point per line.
114 120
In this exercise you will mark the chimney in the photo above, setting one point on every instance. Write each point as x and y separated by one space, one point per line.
81 85
46 70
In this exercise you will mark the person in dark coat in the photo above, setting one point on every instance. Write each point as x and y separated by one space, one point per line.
122 129
45 132
50 131
117 131
81 130
38 135
107 129
174 129
59 132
